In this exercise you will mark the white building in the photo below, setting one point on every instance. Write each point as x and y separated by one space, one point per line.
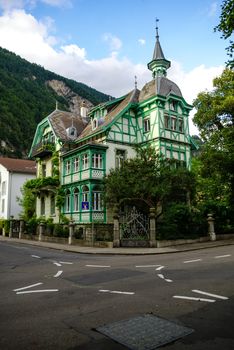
13 174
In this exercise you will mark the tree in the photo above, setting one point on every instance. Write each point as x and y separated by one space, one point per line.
215 120
150 178
226 26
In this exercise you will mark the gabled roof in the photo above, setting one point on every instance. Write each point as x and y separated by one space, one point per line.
19 165
131 97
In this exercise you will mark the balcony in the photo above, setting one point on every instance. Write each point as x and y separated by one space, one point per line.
43 149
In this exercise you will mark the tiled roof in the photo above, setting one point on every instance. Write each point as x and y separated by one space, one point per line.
159 86
19 165
61 120
131 97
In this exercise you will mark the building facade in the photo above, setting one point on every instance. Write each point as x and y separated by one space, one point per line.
13 174
156 115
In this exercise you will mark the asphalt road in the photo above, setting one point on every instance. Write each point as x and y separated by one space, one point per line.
56 300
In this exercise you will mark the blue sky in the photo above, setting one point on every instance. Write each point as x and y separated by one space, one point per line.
105 43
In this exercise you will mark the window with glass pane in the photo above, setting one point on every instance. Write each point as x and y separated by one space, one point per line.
76 164
3 188
52 205
181 125
43 170
76 199
120 157
166 121
146 125
67 167
173 123
42 205
96 201
67 201
85 194
97 161
85 161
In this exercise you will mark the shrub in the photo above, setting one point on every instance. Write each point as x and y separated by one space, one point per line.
61 231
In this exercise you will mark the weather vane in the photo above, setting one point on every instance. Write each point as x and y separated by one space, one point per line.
157 20
135 81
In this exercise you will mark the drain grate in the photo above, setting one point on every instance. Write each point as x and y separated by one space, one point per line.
145 332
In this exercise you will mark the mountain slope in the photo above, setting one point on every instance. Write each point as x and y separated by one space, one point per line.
28 93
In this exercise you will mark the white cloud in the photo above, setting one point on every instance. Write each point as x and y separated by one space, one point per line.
141 41
114 42
7 5
21 33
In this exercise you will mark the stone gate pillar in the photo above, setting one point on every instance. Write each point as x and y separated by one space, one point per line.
41 230
152 231
71 231
211 231
116 235
21 228
11 228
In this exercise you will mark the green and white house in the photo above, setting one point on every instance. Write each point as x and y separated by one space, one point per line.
156 115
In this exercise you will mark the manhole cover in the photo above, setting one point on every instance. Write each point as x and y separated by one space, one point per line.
145 332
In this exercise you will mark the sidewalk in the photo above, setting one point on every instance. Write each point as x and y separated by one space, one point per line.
121 250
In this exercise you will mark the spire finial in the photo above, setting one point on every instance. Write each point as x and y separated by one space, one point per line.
135 81
157 20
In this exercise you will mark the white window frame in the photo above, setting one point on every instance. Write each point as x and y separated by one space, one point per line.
97 162
85 161
68 201
146 123
97 204
52 205
181 125
76 163
120 158
76 197
68 167
173 123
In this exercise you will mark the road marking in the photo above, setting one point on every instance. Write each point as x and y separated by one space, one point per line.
159 268
222 256
115 292
160 275
66 262
190 261
98 265
38 291
147 265
36 256
57 264
27 287
58 273
192 298
210 294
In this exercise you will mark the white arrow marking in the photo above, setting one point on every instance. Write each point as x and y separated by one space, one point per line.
159 268
27 287
58 273
192 298
160 275
38 291
209 294
57 264
36 256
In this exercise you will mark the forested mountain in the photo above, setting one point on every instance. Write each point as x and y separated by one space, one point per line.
28 93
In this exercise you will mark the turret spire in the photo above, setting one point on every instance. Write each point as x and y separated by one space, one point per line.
159 64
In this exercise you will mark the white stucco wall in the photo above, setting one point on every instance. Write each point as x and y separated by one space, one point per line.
110 154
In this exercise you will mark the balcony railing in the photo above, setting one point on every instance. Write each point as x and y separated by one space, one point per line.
43 149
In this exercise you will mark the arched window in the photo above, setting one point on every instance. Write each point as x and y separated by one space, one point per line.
67 201
96 198
85 198
76 199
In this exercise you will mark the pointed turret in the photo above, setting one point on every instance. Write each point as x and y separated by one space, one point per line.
159 64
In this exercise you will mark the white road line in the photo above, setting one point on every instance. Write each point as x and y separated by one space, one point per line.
222 256
190 261
98 265
160 275
57 264
58 273
210 294
27 287
147 265
66 262
38 291
159 268
192 298
36 256
115 292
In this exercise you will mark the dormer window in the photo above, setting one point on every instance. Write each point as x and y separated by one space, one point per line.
72 132
94 124
173 105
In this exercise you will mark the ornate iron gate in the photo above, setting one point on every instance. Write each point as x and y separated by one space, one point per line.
134 228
